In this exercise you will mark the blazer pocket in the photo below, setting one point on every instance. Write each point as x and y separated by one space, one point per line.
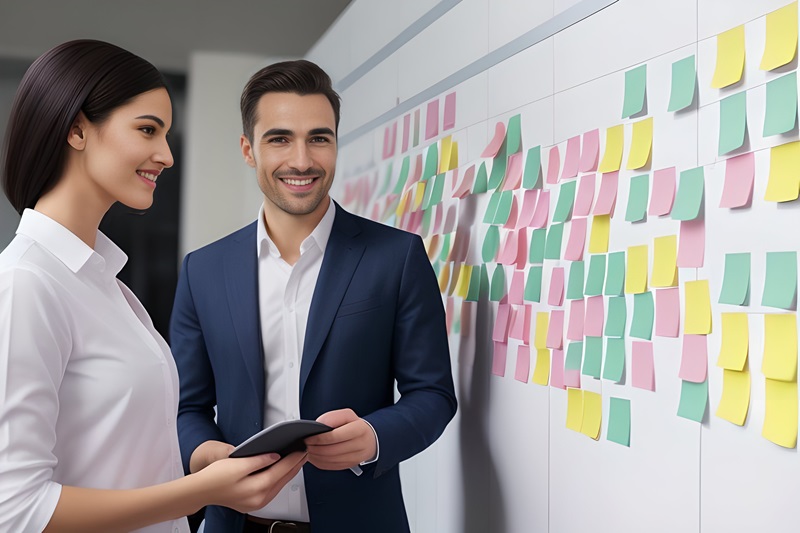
359 307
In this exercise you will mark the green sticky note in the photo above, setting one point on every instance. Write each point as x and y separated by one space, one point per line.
781 112
635 89
437 268
615 360
694 398
575 284
491 209
552 248
617 317
531 178
689 197
426 221
481 180
491 244
574 356
498 284
736 279
619 421
513 135
637 198
566 199
426 197
533 285
485 288
438 189
643 313
597 275
474 291
593 358
431 167
615 279
401 180
780 285
445 248
415 141
538 238
504 207
732 122
684 79
499 164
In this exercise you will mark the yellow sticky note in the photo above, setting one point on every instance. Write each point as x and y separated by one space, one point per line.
730 58
541 373
697 312
464 278
735 341
612 157
453 157
783 184
665 261
444 278
574 409
780 417
447 148
420 194
598 239
540 334
780 347
636 270
641 143
454 277
735 400
781 37
404 202
592 414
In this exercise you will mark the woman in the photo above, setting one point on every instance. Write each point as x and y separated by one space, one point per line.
88 388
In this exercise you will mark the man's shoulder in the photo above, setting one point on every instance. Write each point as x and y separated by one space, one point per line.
242 237
378 230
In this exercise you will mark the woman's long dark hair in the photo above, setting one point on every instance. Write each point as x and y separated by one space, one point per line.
90 76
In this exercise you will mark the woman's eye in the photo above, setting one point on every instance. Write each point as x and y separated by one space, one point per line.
149 130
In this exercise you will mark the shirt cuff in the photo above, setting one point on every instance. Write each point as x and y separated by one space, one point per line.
377 447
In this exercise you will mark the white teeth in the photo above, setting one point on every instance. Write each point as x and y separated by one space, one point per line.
151 177
298 182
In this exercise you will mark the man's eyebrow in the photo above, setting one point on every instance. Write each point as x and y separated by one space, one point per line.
153 118
277 131
321 131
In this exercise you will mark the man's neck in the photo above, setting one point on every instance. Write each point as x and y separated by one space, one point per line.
289 231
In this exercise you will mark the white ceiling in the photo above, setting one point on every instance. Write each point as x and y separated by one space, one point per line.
165 32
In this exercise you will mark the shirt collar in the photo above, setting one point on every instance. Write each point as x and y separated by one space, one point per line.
67 247
319 236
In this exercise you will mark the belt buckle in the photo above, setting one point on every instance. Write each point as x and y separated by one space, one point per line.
280 523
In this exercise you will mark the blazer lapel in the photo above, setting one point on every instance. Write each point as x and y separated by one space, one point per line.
241 281
342 255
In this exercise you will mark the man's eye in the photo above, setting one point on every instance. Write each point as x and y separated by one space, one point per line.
320 139
278 140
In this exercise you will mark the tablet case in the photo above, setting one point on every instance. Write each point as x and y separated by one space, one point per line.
282 438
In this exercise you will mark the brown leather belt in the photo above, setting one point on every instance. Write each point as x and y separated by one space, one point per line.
256 524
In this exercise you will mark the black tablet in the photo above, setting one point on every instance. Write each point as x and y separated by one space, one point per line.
282 438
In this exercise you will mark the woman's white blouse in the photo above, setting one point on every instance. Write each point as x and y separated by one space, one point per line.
88 388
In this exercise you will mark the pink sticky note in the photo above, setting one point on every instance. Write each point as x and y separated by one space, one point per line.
607 196
643 368
406 131
577 240
448 314
466 183
520 322
449 111
542 210
417 172
499 359
552 167
739 175
385 152
500 333
508 253
584 196
668 312
467 312
460 246
575 325
493 147
663 192
529 198
591 151
595 316
555 329
556 296
517 289
557 370
392 140
572 378
572 158
432 119
513 172
438 217
694 359
522 249
523 363
511 223
692 243
450 219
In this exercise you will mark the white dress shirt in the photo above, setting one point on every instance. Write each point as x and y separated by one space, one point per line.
88 388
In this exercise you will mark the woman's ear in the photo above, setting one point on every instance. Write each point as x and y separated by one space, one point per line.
77 132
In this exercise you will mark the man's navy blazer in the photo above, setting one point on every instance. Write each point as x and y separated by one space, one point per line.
376 318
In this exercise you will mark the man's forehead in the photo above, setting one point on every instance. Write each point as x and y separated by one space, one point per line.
311 111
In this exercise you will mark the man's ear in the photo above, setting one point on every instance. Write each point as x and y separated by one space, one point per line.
247 151
77 132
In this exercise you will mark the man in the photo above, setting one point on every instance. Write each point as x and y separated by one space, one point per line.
310 312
